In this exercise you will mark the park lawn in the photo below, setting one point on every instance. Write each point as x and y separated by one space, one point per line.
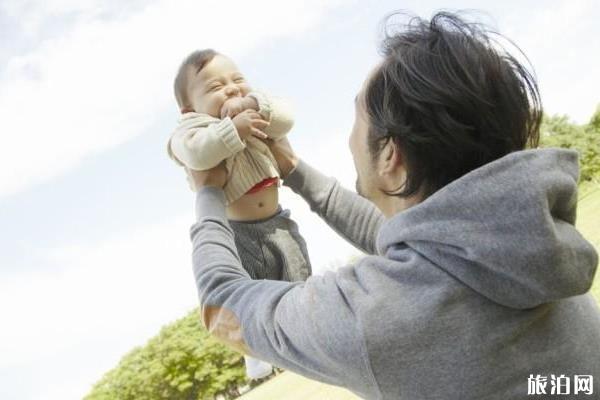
588 223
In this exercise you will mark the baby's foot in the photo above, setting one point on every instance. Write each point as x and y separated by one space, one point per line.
256 369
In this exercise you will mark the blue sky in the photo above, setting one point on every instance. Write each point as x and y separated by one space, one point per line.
95 253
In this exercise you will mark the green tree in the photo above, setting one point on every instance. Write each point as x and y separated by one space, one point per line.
559 131
183 362
594 124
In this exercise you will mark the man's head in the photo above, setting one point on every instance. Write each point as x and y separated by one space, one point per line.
442 102
205 80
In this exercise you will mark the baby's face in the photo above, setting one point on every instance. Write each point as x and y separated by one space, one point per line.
218 81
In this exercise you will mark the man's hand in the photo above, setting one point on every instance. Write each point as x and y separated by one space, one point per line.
216 176
236 105
284 155
250 123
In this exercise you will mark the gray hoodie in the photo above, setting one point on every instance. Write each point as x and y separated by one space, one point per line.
466 295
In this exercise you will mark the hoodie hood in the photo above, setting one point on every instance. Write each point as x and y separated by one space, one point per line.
505 229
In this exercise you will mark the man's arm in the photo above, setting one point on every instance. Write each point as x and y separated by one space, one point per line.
307 327
350 215
201 146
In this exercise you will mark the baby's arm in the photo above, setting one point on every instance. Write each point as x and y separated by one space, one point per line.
275 110
202 144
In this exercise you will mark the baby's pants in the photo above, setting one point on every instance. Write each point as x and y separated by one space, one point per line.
272 248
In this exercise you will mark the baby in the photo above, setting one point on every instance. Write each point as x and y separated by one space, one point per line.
224 119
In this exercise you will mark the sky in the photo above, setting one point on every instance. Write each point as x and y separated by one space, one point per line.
95 253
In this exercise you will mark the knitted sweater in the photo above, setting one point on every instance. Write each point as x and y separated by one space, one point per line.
201 142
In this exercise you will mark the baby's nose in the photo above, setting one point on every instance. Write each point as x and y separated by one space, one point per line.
232 90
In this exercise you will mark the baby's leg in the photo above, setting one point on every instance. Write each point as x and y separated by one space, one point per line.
249 241
271 248
286 247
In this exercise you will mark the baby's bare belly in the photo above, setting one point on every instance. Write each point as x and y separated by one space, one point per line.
259 205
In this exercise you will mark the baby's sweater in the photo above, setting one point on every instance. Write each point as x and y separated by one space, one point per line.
201 142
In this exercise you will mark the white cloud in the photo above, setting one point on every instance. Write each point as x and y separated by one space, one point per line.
33 14
104 81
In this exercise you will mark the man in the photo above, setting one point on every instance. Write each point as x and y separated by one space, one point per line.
476 279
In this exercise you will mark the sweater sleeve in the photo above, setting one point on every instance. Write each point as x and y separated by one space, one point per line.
277 111
310 327
204 146
353 217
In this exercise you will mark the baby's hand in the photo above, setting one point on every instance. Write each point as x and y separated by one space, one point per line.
249 123
236 105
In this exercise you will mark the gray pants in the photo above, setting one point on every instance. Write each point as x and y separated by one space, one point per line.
272 248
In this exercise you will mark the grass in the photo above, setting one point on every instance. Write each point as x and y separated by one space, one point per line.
588 223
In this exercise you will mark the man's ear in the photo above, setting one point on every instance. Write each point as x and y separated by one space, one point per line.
389 158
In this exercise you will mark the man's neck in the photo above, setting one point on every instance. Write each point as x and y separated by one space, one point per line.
392 205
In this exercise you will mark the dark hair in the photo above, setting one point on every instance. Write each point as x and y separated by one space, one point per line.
449 100
198 60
